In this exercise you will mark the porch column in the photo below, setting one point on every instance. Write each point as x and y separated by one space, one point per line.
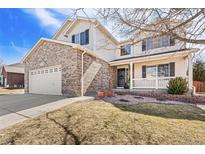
156 79
131 75
190 74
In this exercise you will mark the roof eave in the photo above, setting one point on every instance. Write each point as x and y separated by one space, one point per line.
75 46
141 59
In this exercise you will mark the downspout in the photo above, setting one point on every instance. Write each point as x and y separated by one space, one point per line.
82 74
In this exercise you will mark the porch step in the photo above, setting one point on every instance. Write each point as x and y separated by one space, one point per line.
90 74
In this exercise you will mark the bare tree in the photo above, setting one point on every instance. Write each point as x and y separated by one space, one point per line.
184 24
187 25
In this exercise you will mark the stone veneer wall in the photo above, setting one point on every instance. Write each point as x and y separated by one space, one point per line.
51 54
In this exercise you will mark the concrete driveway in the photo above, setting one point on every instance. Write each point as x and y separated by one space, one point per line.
17 102
16 108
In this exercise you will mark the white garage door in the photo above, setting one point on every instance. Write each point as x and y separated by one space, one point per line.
47 80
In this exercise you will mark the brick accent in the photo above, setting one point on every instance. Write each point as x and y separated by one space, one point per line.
104 77
51 54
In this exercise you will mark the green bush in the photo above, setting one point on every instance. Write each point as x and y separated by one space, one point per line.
177 85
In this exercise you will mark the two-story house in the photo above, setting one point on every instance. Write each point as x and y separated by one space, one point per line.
83 56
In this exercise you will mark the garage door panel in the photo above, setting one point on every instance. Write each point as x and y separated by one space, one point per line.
46 81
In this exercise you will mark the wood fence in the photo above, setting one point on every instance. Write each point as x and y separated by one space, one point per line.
200 86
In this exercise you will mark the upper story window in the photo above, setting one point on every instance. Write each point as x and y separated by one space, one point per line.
81 38
157 42
125 50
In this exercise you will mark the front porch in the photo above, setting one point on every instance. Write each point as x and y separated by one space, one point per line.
154 72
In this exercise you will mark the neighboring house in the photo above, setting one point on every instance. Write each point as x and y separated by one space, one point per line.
83 57
13 75
1 77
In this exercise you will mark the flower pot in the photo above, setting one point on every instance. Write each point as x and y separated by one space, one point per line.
110 93
101 93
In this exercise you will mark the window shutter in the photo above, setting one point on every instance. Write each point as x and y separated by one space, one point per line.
172 41
172 69
73 38
144 71
87 36
143 45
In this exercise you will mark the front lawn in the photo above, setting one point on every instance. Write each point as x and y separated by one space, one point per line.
98 122
11 91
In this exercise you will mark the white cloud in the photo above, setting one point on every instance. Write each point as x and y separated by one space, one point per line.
52 18
65 11
46 18
21 50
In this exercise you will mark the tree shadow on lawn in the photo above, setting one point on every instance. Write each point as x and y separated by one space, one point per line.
173 111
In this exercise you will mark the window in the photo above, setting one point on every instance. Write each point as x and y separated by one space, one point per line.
77 38
143 45
46 71
125 50
56 70
157 42
84 38
51 70
163 70
151 71
42 72
149 43
81 38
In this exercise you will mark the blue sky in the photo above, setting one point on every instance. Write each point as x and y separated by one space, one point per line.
20 29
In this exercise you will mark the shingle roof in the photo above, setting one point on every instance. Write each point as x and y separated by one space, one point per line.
17 65
153 54
14 69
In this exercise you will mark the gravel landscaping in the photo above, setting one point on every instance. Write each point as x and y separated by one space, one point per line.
165 97
133 99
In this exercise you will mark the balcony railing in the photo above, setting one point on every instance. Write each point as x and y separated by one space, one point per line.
156 83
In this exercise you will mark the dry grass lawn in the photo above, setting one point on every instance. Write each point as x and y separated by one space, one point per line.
11 91
98 122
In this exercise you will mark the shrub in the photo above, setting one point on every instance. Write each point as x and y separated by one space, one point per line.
177 85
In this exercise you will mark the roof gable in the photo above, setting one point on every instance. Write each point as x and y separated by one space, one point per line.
62 28
40 42
69 24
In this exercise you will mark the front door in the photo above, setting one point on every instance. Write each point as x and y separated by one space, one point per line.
121 77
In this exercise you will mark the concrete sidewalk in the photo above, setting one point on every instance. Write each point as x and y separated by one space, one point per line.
13 118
